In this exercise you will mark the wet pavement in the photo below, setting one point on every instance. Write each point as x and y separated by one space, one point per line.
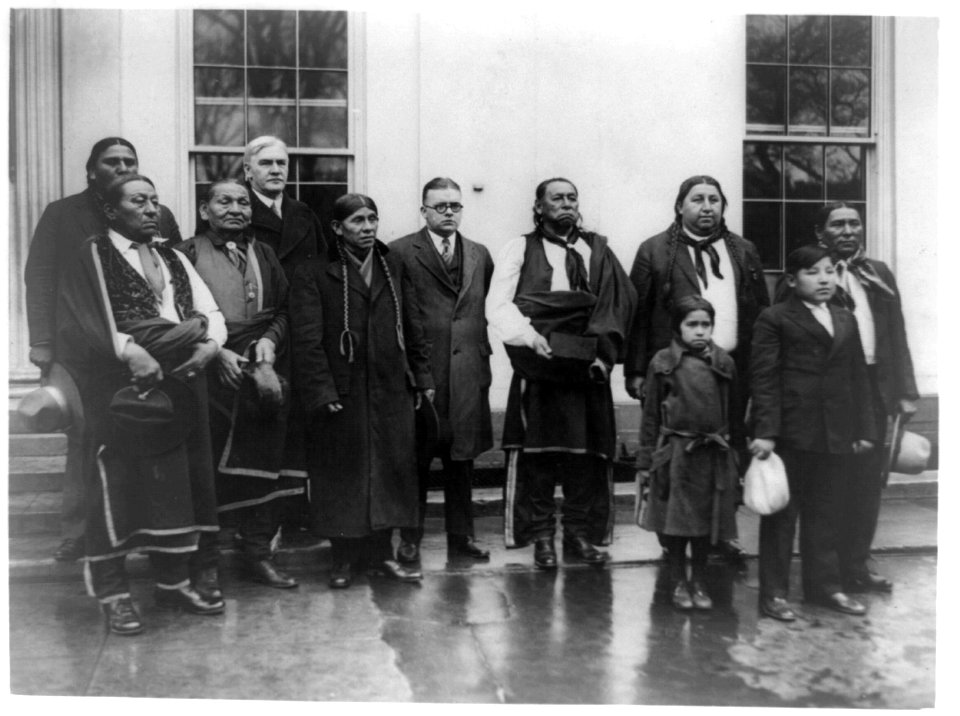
489 633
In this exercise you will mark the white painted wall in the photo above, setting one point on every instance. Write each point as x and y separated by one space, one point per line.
916 180
121 77
506 100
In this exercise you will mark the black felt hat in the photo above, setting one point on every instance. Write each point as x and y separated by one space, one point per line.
151 421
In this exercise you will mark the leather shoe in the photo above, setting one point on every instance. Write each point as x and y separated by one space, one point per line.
699 596
341 576
122 617
70 550
265 572
544 553
584 551
840 602
465 546
777 608
207 583
186 599
869 582
681 597
394 570
408 552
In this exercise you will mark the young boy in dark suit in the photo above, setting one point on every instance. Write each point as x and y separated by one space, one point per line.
811 402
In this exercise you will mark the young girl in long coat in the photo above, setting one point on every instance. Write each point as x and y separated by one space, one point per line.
687 459
361 366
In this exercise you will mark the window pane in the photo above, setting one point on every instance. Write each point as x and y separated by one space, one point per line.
803 170
766 38
844 173
761 171
212 167
323 39
808 101
808 39
218 37
850 41
323 85
271 37
761 224
273 84
320 198
219 124
851 100
218 82
798 227
766 101
279 121
323 127
323 169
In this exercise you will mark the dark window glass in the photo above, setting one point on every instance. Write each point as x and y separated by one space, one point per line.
272 38
218 82
766 38
761 225
323 85
766 98
808 101
851 99
219 124
323 127
279 121
844 173
211 167
320 198
850 41
798 225
761 171
809 39
218 37
323 169
803 171
323 40
273 84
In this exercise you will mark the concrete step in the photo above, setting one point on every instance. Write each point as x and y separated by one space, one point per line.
38 444
36 474
38 512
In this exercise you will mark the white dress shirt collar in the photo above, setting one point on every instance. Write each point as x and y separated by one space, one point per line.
270 202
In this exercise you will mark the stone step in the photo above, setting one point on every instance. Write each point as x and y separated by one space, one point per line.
36 474
38 444
37 512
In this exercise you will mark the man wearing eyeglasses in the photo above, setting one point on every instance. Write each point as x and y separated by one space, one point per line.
452 276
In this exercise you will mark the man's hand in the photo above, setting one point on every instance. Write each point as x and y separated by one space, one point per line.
145 371
599 371
265 352
268 386
635 387
761 447
862 446
42 357
203 353
542 347
230 367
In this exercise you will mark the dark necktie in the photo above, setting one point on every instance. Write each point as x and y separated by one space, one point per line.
151 269
446 254
576 269
701 247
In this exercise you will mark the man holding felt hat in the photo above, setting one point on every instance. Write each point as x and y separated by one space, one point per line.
562 304
136 329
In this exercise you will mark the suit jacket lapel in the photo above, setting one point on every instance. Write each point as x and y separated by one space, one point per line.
427 255
801 315
686 265
293 230
470 255
842 327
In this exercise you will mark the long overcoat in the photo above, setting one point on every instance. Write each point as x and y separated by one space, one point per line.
295 238
361 459
455 327
687 440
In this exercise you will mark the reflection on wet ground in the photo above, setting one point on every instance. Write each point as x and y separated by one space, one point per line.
580 636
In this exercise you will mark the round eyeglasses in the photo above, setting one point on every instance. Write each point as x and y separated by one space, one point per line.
442 208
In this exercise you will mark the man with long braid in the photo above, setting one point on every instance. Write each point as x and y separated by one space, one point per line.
697 255
561 303
136 328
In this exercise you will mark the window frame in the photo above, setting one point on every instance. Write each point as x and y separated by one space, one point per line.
356 94
877 167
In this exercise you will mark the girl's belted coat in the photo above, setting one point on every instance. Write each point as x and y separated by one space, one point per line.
361 459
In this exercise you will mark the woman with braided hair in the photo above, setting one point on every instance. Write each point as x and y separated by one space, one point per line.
361 366
697 255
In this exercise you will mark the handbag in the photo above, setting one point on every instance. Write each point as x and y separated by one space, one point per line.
765 487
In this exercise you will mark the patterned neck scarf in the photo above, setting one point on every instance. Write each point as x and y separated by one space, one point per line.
863 271
576 270
701 247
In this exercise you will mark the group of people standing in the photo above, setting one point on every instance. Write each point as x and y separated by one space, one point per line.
265 359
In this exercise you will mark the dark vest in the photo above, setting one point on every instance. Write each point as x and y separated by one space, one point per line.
130 295
537 273
238 295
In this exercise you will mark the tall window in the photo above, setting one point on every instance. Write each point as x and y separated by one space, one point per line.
279 72
809 81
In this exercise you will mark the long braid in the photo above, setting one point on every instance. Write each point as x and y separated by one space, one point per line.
396 299
347 336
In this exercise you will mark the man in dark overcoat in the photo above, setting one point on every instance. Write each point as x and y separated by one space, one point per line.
451 275
64 225
286 225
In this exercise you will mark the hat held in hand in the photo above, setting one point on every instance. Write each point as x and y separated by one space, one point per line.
54 406
151 421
